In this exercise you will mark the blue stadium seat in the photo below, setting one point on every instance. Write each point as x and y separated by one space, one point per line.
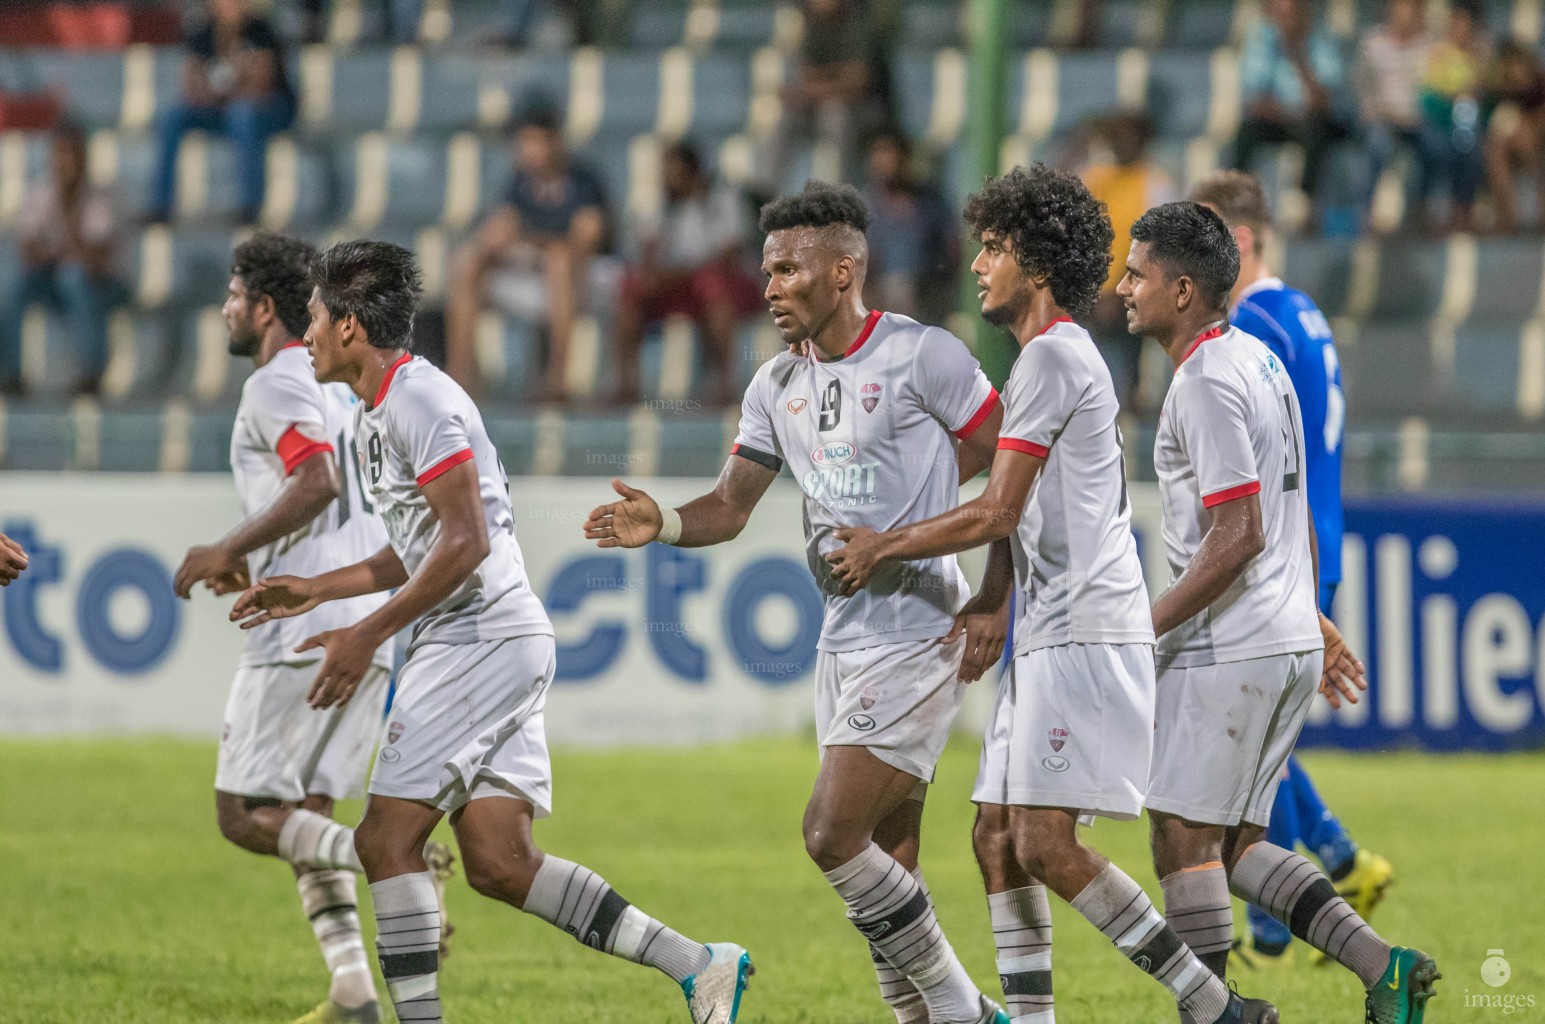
1410 280
655 25
158 349
1086 87
415 182
1388 371
689 444
607 156
1196 23
912 89
210 435
1485 373
1122 21
92 83
1322 269
594 446
1508 272
1029 23
450 94
526 77
131 440
362 90
1180 92
39 437
721 95
931 25
514 435
746 24
632 93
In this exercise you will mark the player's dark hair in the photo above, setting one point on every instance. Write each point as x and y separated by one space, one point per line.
279 267
819 206
1189 240
1058 230
1239 199
375 282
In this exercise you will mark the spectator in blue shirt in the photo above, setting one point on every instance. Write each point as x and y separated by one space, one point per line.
533 255
1292 80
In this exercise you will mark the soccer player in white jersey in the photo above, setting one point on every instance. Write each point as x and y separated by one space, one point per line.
1242 644
867 410
281 763
465 734
1072 728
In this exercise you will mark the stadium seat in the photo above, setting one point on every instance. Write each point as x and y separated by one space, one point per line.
1086 85
1484 377
657 24
209 437
1030 23
745 25
689 443
1508 272
361 91
527 77
1387 368
912 85
39 437
721 96
130 440
1323 270
631 86
452 86
1200 23
932 25
1180 92
596 446
91 83
1410 280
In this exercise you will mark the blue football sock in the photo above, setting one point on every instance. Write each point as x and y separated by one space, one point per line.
1319 829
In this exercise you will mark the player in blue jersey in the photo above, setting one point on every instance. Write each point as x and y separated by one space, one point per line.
1293 327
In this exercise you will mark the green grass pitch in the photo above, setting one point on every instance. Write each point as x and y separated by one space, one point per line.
122 903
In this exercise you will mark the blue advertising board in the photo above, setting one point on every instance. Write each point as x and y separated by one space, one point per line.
1445 600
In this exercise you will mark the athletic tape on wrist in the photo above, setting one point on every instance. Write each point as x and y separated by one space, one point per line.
670 526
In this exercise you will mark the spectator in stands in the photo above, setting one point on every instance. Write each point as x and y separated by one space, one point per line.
836 95
1129 184
1391 63
1452 112
233 83
1292 77
914 244
1515 139
67 234
692 261
534 254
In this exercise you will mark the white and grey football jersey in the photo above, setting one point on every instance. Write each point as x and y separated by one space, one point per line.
870 439
286 417
1231 427
420 426
1080 577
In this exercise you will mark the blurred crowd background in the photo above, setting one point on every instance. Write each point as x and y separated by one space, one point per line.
580 180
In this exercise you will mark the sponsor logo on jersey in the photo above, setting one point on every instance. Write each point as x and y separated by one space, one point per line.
393 731
1053 763
833 453
867 697
391 755
863 723
1058 737
797 406
869 395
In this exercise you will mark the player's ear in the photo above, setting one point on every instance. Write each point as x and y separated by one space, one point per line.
263 311
1185 292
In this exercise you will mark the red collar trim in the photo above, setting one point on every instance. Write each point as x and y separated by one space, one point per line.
386 382
292 344
1054 322
863 335
1204 336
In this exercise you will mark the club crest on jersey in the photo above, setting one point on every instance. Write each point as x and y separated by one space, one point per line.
797 406
393 732
1058 737
870 396
833 453
867 697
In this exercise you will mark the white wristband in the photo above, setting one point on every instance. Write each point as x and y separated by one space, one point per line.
670 526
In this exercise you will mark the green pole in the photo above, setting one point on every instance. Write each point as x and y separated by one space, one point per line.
987 53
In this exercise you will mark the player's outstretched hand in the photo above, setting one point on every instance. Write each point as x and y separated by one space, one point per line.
277 597
12 560
1344 676
854 565
206 562
985 628
630 523
349 654
231 582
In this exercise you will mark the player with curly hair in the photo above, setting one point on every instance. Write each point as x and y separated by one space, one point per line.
1072 729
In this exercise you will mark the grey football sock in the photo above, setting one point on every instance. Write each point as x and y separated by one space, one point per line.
408 940
905 1001
1021 931
1295 892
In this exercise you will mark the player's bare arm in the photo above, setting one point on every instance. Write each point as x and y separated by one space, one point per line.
984 620
462 545
1343 677
989 517
714 518
1233 538
284 597
12 560
222 566
977 451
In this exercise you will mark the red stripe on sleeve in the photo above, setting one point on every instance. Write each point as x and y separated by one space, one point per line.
444 466
294 448
1014 444
1232 493
980 416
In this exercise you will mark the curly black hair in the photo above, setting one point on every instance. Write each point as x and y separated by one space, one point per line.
1057 228
819 205
377 283
279 267
1190 240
